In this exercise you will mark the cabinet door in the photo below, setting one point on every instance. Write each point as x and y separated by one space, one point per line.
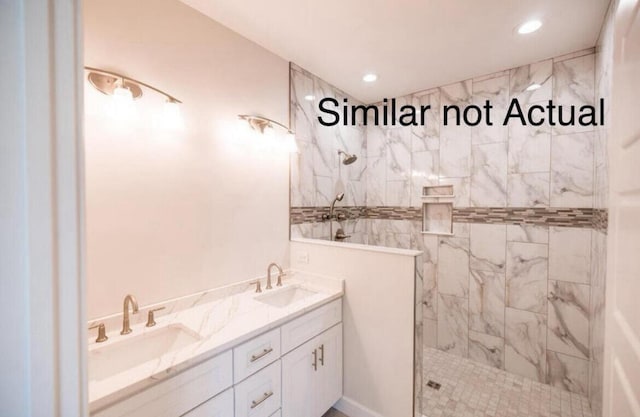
328 387
298 378
312 375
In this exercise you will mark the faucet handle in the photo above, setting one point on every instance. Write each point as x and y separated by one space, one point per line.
258 286
151 318
102 332
280 276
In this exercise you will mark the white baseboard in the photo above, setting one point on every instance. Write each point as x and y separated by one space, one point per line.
354 409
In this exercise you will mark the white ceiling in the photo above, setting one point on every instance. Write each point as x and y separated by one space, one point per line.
411 45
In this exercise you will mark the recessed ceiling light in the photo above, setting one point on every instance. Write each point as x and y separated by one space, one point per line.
533 87
309 97
369 78
529 27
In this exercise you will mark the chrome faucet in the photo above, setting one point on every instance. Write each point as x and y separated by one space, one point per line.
129 299
280 275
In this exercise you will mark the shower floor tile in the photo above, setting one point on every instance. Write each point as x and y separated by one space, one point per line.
471 389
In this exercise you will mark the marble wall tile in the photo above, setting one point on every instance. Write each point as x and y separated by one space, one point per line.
430 280
522 77
528 190
453 266
572 170
429 333
453 325
574 84
486 349
303 113
324 187
570 254
527 270
398 193
461 190
496 91
568 318
527 233
455 141
427 137
376 180
376 136
525 341
488 247
489 175
462 230
486 302
567 372
425 168
398 154
529 148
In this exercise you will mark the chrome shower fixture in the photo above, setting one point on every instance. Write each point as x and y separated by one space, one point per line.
348 158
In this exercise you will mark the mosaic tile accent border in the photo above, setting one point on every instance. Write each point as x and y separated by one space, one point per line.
543 216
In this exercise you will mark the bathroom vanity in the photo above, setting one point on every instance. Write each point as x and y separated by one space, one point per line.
224 353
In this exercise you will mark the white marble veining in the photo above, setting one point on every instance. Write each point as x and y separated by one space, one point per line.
523 77
573 85
568 373
528 190
529 148
486 349
427 137
453 266
488 247
525 339
453 324
496 91
527 233
568 318
527 266
221 318
570 254
486 302
572 170
489 175
430 276
455 141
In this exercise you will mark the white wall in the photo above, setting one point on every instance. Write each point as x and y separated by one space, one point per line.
172 214
378 319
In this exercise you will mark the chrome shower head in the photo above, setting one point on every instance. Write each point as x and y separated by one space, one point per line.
348 158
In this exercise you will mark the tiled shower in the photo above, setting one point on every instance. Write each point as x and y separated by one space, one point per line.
519 285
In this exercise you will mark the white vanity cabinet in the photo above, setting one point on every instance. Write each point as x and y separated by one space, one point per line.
294 370
312 375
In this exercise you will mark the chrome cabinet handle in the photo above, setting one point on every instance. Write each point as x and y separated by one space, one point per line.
261 355
264 398
315 360
322 355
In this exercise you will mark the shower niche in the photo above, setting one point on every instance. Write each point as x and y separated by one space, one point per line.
437 210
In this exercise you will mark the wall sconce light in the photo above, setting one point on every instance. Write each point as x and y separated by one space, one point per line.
266 127
125 90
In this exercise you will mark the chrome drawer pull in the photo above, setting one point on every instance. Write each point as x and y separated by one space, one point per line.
322 355
265 396
315 360
261 355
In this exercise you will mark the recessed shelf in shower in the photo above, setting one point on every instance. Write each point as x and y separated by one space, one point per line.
437 210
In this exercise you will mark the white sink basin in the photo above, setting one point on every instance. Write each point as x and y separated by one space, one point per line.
111 359
285 296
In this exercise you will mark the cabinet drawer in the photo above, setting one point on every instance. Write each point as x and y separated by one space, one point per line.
255 354
310 325
259 395
178 394
219 406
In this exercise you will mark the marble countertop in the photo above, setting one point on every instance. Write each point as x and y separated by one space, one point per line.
220 318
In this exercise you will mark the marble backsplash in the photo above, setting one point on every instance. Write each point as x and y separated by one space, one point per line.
517 293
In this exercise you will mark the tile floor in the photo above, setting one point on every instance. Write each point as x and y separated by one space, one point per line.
471 389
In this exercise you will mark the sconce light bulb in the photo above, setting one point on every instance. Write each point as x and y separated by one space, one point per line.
172 117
